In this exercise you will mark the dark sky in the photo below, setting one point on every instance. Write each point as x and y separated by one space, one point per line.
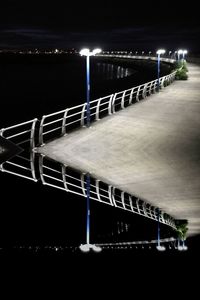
126 25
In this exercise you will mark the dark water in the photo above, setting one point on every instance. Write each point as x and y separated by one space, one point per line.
33 214
33 86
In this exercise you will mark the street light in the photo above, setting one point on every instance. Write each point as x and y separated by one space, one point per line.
159 52
86 52
179 53
184 52
86 247
159 247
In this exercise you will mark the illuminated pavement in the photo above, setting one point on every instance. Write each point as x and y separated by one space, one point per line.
150 149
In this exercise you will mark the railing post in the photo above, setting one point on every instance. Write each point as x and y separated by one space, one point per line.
138 93
150 88
122 197
41 161
113 197
123 99
137 203
131 96
110 105
162 82
110 194
151 211
32 165
32 136
1 131
83 184
155 86
144 91
97 110
144 208
97 189
131 203
113 102
41 140
155 213
64 122
64 177
83 115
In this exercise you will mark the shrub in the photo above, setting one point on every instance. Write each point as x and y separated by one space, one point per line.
181 75
184 66
181 64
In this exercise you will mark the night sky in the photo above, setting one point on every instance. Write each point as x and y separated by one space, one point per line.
106 24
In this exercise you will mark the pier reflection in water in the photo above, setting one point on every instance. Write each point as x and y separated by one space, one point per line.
30 165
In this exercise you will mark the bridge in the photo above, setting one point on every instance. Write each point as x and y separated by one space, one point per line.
149 149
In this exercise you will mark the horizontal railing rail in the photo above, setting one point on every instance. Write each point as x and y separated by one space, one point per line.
62 122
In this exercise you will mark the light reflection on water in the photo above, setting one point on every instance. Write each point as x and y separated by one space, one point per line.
111 71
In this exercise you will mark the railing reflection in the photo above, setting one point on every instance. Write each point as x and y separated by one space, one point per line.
60 176
23 135
111 71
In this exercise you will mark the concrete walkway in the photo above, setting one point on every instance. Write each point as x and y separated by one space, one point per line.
150 149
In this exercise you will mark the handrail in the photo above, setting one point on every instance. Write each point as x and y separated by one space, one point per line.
62 122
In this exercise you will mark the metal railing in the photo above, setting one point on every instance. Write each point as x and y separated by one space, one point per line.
62 122
23 135
141 57
62 177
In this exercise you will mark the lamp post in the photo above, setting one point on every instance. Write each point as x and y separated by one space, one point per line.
179 53
159 52
184 52
86 52
159 247
158 228
86 247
